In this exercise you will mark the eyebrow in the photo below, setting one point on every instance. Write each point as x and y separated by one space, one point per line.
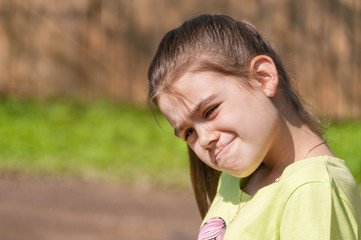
195 110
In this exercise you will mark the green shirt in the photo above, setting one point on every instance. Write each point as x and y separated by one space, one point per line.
316 198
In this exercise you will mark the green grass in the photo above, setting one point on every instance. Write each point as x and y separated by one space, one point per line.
345 141
101 140
106 140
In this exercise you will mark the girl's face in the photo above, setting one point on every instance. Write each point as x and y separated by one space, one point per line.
229 127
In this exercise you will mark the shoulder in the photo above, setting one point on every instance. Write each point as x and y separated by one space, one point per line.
322 169
325 170
322 180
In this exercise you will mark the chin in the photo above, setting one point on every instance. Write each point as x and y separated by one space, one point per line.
240 172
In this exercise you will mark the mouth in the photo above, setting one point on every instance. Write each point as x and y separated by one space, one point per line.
224 148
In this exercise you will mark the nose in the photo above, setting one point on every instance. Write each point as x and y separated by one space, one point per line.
206 136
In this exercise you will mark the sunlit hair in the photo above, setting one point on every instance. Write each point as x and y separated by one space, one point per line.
220 44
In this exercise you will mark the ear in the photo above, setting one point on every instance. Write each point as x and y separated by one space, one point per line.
265 73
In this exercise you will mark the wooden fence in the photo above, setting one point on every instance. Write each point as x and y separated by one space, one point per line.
95 48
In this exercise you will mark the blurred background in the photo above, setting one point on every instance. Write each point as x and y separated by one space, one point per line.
73 120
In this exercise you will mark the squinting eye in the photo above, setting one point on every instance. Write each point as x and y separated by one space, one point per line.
188 132
210 110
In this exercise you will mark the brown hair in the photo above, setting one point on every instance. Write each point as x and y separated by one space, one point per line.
220 44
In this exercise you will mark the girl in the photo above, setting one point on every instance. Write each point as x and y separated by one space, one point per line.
259 166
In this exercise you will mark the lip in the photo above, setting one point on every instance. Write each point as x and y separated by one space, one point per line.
224 148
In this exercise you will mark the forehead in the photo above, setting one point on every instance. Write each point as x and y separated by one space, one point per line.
179 100
191 86
187 89
180 96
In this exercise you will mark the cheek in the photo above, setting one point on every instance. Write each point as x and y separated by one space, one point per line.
234 122
257 121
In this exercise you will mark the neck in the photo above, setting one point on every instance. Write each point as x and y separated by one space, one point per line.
295 138
293 141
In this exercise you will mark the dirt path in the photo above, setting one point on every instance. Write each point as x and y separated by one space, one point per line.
54 209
